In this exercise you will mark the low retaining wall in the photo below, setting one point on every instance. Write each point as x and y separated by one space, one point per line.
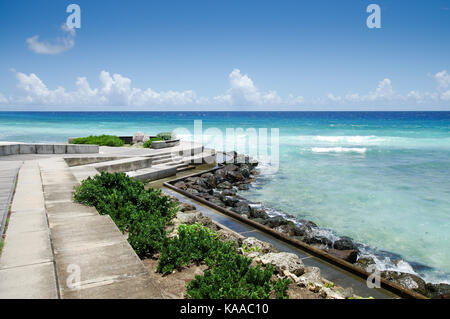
164 144
25 148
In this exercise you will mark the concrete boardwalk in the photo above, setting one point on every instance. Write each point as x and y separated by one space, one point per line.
56 248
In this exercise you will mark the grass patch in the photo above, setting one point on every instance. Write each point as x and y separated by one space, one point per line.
101 140
144 214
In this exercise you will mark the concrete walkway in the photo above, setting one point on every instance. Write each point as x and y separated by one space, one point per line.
56 248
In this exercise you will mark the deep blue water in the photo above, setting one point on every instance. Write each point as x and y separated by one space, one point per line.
382 178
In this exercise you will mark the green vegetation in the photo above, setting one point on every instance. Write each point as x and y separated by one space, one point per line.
102 140
229 275
166 136
143 213
148 144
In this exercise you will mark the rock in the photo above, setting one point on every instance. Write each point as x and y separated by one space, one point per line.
225 185
244 170
210 179
409 281
139 137
241 208
308 223
258 213
186 207
220 175
216 201
350 255
228 192
276 221
288 229
230 168
226 235
254 172
188 218
344 243
311 277
192 191
215 193
207 222
251 243
181 185
243 187
284 261
365 262
259 220
234 176
321 240
230 200
438 291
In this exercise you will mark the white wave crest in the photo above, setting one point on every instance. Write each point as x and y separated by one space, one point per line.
359 150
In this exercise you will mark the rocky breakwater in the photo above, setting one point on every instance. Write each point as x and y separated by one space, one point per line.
221 187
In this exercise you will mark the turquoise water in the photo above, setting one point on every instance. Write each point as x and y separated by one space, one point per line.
382 178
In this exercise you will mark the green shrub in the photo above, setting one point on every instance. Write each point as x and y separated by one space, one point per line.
166 136
102 140
229 275
148 144
143 213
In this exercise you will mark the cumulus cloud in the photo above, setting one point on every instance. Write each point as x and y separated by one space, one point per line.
117 90
61 44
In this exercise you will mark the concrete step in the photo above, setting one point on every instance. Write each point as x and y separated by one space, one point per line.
123 165
153 173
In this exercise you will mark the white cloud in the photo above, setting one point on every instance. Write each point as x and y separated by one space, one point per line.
61 44
117 90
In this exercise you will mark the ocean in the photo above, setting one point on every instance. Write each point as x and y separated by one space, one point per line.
381 178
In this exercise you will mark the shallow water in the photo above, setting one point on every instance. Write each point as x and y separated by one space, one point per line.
382 178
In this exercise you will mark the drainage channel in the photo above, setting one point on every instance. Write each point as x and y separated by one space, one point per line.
330 272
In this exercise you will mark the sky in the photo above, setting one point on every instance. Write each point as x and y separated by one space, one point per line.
225 55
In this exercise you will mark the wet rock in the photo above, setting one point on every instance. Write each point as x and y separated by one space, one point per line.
225 185
215 193
192 191
308 223
409 281
259 220
228 192
216 201
284 261
288 229
276 221
258 213
350 255
186 207
230 200
344 243
321 240
254 172
365 262
242 187
220 175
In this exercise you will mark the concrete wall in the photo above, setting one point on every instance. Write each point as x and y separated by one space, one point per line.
27 148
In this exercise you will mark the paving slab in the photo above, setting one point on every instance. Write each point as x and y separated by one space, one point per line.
29 282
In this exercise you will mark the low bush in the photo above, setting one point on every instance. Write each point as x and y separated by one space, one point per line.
148 144
229 274
101 140
143 213
166 136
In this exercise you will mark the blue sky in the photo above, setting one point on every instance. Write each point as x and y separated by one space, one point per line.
225 54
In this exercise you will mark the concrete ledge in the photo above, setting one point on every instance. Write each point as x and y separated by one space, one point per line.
7 148
164 144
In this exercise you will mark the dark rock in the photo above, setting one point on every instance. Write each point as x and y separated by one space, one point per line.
220 175
228 192
215 193
322 240
200 189
344 243
225 185
192 191
254 172
276 221
365 262
258 213
241 208
244 170
288 229
408 281
438 291
242 187
259 220
216 201
180 185
308 223
210 179
230 200
350 255
230 168
235 176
